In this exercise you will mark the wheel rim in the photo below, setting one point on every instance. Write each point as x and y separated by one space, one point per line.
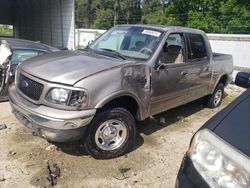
111 135
217 97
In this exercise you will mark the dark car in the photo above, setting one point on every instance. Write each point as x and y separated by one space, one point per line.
219 152
21 50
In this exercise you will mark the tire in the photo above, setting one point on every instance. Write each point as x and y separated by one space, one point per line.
214 100
111 134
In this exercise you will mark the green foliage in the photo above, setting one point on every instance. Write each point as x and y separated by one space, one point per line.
103 19
217 16
6 30
203 21
236 16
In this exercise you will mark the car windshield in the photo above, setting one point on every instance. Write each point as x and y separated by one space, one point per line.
128 42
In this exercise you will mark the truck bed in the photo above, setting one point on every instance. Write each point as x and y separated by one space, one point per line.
224 63
218 56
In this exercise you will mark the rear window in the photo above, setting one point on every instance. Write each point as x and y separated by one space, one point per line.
197 48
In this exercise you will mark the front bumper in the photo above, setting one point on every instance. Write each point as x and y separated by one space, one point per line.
188 177
49 123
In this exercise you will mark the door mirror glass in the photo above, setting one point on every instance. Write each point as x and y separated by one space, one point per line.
243 79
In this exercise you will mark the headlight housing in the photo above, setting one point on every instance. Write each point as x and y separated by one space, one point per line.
67 97
219 163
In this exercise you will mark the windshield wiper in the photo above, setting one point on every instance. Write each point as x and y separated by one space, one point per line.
114 52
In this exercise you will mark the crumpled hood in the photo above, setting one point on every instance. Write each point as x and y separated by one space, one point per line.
68 67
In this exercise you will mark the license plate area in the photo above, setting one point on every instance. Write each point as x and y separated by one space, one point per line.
23 119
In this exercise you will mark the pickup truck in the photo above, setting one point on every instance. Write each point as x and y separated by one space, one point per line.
128 74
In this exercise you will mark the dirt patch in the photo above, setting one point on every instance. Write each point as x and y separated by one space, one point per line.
154 161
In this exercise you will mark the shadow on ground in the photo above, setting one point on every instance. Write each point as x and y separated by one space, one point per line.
172 116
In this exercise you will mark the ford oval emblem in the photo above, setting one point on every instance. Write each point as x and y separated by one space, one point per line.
24 84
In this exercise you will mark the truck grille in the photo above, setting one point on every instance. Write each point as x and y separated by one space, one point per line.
30 88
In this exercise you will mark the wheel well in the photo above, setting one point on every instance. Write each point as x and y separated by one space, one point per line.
223 80
126 102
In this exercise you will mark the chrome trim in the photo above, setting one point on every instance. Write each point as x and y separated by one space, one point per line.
48 86
48 117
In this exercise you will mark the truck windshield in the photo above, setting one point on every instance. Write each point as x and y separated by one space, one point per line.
128 42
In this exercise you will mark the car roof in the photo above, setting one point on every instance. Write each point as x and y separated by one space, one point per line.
166 28
28 44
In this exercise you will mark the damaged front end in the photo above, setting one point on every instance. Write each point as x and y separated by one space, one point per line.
5 53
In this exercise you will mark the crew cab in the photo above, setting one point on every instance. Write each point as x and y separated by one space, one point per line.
219 153
128 74
21 50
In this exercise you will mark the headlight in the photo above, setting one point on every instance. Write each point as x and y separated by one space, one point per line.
67 97
218 163
58 96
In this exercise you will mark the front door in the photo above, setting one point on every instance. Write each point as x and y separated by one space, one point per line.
170 82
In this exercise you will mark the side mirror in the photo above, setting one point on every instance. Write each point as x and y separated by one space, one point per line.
159 65
243 79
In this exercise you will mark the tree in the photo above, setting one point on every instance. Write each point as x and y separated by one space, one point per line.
220 16
235 16
84 13
149 8
104 19
203 21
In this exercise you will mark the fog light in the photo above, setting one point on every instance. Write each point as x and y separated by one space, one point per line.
47 134
69 125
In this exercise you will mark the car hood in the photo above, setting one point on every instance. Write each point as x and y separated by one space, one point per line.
235 127
68 67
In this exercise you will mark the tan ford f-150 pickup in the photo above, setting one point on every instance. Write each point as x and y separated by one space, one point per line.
128 74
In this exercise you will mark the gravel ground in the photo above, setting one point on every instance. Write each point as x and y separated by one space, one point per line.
153 162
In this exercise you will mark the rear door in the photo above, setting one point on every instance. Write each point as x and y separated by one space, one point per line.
200 71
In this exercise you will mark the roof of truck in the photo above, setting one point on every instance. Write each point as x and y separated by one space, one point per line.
166 28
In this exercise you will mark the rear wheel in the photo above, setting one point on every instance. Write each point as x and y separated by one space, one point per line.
111 134
215 99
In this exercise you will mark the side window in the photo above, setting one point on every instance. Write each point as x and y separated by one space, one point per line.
197 47
18 56
174 39
173 49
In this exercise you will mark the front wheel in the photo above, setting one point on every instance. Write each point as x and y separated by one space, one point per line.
111 134
215 99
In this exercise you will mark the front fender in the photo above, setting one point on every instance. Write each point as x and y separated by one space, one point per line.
142 112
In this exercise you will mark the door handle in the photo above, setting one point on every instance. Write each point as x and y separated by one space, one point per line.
184 73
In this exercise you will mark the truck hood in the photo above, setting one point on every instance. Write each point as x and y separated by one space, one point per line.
68 67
